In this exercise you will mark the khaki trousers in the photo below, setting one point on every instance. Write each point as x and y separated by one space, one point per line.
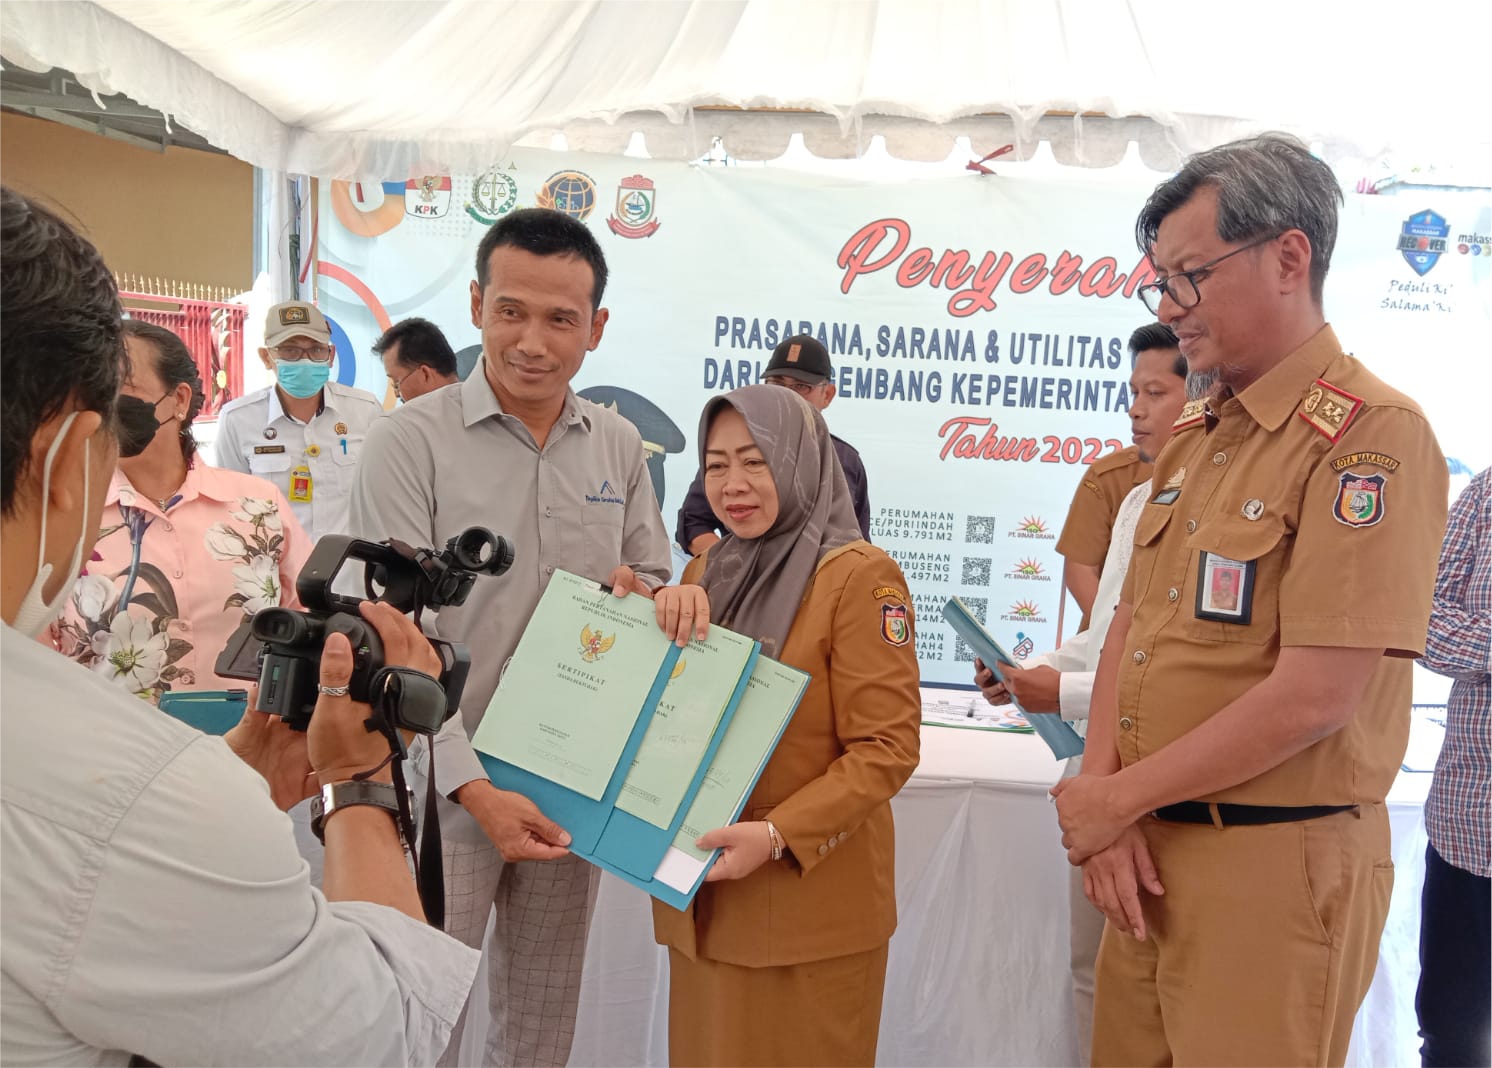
1259 952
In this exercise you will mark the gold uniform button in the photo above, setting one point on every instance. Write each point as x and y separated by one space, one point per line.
1139 656
1219 458
1125 723
1191 526
1172 594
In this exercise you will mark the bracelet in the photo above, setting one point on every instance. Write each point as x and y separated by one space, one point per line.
775 839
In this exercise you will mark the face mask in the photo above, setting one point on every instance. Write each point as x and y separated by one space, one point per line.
136 424
302 378
35 614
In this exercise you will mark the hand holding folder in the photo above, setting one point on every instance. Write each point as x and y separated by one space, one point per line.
1056 732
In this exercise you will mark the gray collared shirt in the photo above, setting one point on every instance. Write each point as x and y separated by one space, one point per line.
583 503
152 901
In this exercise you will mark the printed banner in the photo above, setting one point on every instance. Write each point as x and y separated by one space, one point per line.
977 327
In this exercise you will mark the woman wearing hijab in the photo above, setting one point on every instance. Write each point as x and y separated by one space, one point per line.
781 959
186 550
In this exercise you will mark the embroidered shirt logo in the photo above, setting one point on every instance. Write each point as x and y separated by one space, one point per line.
607 494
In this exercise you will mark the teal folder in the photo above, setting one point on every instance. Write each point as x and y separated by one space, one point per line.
1056 732
601 830
210 711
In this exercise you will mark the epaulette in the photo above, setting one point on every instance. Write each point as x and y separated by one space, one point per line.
1329 409
1191 415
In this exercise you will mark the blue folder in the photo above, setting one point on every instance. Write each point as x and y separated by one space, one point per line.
210 711
618 841
1056 732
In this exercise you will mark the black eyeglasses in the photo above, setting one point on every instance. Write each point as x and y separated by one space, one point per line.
1182 286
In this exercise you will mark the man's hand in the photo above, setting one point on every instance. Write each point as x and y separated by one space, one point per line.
268 745
744 847
1088 814
1114 877
338 741
623 580
514 823
1037 689
993 689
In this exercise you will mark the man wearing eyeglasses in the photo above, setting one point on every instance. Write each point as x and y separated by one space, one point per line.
801 364
416 357
304 433
1251 705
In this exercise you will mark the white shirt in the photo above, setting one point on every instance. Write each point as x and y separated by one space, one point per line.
152 901
583 503
1077 657
256 436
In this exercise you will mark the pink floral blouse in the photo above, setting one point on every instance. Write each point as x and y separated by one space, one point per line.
165 590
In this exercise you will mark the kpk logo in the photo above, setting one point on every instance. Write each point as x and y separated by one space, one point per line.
428 197
1028 569
607 494
1024 612
1033 526
1422 239
636 201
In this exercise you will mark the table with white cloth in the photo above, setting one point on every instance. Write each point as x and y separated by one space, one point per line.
978 969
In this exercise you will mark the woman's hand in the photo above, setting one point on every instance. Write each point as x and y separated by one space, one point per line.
744 847
268 745
683 613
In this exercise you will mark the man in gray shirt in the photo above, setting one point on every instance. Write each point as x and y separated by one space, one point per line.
515 450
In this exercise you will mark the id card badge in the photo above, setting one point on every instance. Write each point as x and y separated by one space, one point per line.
300 484
1225 589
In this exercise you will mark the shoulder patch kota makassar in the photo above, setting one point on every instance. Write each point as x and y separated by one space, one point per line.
1192 414
1359 500
896 628
1329 409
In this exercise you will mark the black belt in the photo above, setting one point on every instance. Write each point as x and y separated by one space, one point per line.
1245 815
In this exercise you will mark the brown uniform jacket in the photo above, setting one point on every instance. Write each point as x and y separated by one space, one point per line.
1324 491
1095 503
851 744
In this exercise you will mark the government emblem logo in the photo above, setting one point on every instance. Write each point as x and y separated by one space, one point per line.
428 197
570 192
895 630
1422 239
493 195
1359 500
593 645
636 201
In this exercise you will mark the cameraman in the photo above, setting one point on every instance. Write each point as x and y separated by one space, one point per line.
153 900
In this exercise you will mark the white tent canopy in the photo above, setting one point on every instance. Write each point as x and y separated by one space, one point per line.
394 89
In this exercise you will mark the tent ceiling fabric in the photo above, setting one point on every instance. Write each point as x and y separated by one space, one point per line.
391 89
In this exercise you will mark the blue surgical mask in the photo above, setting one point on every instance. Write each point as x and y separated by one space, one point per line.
302 378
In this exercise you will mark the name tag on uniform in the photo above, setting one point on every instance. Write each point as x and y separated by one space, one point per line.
1225 589
1166 496
267 450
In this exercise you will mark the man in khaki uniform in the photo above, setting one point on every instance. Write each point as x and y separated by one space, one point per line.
1084 542
1230 813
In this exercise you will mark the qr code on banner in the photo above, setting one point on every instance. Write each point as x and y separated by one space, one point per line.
980 530
961 652
976 570
977 606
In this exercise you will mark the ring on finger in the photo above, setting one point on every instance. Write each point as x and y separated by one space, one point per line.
333 691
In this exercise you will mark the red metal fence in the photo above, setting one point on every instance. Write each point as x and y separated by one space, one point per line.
211 328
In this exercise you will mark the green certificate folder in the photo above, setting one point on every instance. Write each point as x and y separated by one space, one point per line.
699 690
210 711
570 697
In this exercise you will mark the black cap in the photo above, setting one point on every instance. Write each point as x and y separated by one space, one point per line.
800 357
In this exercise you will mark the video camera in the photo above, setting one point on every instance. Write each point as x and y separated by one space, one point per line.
281 648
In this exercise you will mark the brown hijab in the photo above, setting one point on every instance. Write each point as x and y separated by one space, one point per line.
756 585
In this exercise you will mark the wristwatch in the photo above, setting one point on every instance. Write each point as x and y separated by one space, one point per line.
340 795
